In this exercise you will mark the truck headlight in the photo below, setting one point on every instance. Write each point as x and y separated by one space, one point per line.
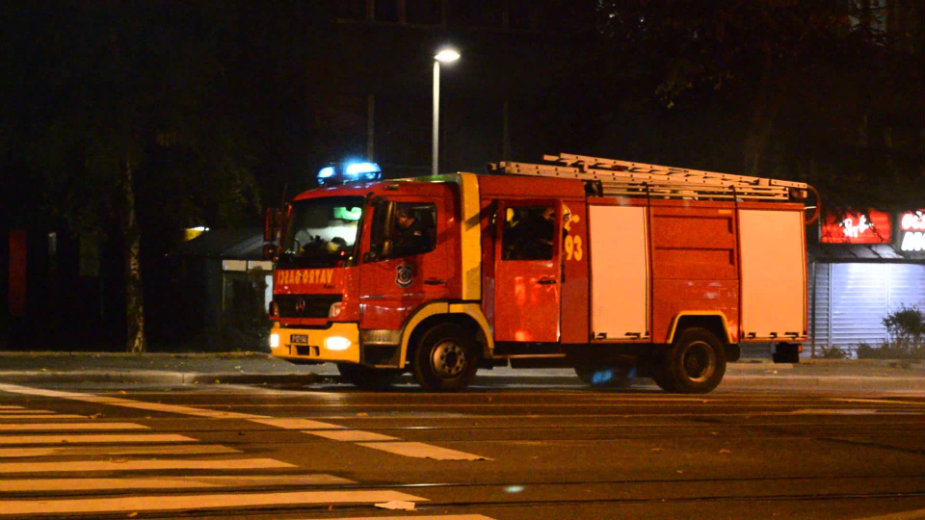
337 343
274 340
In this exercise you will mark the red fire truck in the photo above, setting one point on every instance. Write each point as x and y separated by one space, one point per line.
614 268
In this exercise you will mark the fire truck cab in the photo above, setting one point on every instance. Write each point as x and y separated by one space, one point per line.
613 268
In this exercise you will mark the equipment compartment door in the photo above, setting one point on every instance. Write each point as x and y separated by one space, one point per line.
619 272
528 272
773 274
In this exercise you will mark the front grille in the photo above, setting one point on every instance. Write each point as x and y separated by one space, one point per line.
305 305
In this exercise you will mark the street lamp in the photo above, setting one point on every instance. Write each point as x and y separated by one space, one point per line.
445 55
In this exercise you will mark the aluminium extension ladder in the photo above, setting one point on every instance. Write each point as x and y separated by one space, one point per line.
612 177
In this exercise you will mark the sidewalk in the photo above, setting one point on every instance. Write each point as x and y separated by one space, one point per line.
259 368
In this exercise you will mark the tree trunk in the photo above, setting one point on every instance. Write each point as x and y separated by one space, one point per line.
134 296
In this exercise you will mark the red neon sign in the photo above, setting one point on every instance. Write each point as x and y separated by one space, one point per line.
857 228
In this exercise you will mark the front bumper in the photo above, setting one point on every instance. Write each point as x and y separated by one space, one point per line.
338 342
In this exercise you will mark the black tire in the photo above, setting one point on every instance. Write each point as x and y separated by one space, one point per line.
367 378
445 359
694 364
604 376
661 374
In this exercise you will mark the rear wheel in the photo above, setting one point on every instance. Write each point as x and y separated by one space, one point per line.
366 377
445 359
695 363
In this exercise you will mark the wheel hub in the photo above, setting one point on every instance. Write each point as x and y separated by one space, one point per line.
698 362
448 359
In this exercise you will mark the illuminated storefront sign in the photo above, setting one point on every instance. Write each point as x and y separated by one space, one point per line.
872 227
912 231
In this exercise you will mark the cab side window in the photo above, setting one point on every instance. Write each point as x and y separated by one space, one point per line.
405 229
528 233
414 229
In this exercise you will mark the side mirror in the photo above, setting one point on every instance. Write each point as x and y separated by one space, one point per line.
272 224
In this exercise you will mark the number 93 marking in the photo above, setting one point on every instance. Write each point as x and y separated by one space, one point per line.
573 249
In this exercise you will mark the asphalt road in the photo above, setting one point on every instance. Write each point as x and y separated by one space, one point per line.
517 450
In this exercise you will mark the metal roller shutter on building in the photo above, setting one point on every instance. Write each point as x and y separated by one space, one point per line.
862 294
820 301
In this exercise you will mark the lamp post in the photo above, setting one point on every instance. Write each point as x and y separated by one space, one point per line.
446 55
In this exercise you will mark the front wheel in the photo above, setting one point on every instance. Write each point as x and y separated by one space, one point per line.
445 359
694 364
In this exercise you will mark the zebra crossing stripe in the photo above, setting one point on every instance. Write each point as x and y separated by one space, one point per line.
287 423
429 517
101 426
35 416
101 438
180 482
136 465
309 426
350 435
111 451
154 503
126 403
421 450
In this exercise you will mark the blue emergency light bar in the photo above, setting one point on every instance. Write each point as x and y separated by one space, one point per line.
349 171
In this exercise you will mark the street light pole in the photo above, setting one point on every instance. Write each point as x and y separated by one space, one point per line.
444 56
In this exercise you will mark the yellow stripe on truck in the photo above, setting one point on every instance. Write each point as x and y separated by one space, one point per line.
470 237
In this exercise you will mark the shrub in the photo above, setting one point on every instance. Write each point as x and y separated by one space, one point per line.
888 351
865 351
906 328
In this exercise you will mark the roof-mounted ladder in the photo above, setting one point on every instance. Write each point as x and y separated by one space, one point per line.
612 177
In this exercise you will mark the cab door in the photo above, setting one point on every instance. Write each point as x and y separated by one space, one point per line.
528 272
397 280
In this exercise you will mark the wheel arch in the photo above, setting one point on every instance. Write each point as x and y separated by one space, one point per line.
468 315
713 321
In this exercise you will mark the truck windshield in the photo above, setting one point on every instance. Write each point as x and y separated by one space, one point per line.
322 233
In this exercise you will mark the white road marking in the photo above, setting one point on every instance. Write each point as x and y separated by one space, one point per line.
428 517
70 451
5 411
12 440
878 401
834 411
350 435
421 451
27 427
127 403
918 514
108 484
136 465
409 449
198 502
10 407
33 417
296 424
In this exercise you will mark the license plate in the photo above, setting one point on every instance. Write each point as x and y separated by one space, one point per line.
298 339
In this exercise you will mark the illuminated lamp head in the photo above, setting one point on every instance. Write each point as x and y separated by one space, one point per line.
349 171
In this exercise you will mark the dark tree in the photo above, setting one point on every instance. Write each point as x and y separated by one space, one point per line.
124 114
828 92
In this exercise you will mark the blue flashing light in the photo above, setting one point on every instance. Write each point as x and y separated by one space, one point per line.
363 170
349 171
